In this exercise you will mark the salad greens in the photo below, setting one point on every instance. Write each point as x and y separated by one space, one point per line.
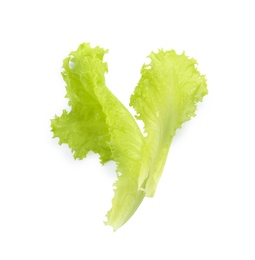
165 97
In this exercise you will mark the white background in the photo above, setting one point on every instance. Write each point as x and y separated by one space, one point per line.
52 207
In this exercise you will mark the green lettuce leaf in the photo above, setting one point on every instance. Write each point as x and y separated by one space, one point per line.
165 97
99 122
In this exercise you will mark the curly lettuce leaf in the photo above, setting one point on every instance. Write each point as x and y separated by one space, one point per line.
99 122
165 97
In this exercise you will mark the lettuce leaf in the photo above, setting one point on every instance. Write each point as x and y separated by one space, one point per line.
99 122
165 97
